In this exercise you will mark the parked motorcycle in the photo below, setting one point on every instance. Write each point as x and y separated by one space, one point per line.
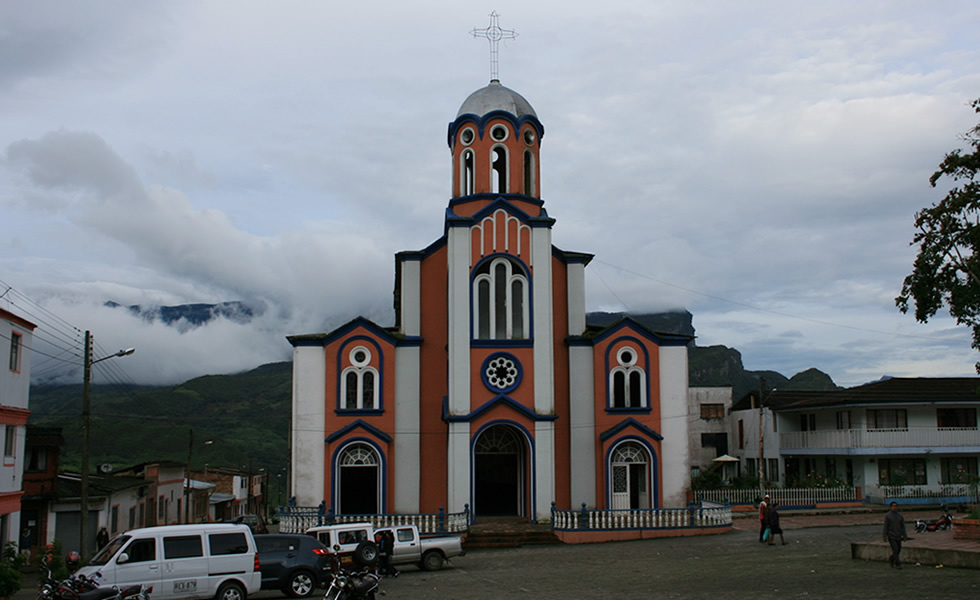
80 587
353 584
942 523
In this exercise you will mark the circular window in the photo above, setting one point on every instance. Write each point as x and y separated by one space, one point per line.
360 356
501 372
529 137
499 133
626 356
467 136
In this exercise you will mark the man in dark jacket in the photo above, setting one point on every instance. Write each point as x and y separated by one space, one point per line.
894 533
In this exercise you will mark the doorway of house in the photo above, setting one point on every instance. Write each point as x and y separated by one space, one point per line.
359 473
499 472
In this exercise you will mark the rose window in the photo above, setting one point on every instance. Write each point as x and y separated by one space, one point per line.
501 372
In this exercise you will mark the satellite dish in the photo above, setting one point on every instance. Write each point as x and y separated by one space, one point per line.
105 468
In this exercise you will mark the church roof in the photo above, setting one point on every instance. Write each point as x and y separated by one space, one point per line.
495 97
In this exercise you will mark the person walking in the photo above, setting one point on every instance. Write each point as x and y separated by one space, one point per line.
774 527
894 533
763 517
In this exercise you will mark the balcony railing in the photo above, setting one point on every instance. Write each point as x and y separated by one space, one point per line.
911 437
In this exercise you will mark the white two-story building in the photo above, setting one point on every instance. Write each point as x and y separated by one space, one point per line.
908 439
16 336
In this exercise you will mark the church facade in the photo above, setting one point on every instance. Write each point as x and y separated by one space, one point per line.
490 391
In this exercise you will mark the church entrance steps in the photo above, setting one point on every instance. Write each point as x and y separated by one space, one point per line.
508 532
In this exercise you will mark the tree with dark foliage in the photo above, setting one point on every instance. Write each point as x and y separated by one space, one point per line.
947 268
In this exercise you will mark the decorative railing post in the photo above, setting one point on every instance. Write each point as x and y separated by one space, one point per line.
585 515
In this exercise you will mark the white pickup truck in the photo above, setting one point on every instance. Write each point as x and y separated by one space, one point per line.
410 548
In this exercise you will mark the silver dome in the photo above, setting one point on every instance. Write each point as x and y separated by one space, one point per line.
496 97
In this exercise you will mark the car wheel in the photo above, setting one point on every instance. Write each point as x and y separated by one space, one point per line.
432 560
366 554
231 590
300 585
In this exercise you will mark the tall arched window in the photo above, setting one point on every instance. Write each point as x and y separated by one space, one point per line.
359 382
500 301
627 381
466 173
528 172
498 168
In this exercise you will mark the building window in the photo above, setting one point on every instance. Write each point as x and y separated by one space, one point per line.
627 381
958 469
528 173
956 418
843 419
500 293
359 382
887 419
808 422
498 168
712 411
16 341
37 459
466 173
741 434
901 471
718 441
773 471
9 437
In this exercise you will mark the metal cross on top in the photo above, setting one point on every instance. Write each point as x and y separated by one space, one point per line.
494 33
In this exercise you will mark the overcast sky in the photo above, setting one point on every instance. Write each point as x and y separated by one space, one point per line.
757 163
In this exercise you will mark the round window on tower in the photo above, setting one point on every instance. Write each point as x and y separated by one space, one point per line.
626 356
467 136
529 137
499 133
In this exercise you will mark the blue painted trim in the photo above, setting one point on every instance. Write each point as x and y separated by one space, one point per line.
661 339
530 464
481 123
652 472
499 400
571 257
527 343
383 475
359 424
341 353
506 197
630 423
324 339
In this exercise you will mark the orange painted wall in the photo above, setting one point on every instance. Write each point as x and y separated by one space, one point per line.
562 434
606 420
434 359
383 360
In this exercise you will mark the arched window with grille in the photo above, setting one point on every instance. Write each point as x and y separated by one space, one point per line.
359 382
627 381
500 301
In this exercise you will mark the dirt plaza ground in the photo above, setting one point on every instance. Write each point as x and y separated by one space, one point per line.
815 563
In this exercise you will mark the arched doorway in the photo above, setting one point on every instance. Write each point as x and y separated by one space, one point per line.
499 457
358 480
630 481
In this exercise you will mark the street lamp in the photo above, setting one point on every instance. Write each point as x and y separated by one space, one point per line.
86 384
187 476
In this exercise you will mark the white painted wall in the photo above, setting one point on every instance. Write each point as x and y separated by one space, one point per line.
307 425
673 413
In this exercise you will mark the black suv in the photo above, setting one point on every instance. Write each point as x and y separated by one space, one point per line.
295 564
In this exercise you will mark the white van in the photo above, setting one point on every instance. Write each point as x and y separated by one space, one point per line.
215 560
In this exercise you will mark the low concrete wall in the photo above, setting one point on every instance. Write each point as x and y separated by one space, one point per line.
595 536
880 551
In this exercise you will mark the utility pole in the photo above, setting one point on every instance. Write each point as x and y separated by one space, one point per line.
83 500
187 477
762 482
86 413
